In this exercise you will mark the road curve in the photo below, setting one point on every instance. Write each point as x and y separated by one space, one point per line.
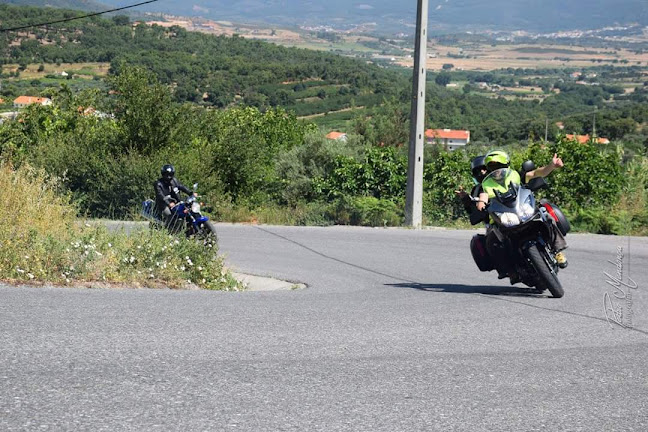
396 330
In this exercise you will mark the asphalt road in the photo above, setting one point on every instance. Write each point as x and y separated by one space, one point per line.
397 330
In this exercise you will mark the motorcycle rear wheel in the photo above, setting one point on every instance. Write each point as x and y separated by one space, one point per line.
546 278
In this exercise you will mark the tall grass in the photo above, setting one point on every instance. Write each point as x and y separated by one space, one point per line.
44 242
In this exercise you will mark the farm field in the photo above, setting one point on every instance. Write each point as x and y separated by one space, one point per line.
486 57
81 70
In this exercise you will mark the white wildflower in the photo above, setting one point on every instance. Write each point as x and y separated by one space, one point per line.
31 276
19 270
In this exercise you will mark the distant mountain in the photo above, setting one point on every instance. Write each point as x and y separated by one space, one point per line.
86 5
445 15
391 16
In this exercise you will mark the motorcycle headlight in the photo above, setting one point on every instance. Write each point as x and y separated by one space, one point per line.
508 219
526 211
195 207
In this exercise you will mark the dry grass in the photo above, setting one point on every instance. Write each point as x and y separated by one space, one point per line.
84 70
32 202
486 57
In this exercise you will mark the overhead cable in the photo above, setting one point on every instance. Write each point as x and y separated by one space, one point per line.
75 18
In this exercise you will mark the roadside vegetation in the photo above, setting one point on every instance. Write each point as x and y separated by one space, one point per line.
44 242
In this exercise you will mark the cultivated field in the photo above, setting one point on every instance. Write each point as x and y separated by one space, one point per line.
81 70
486 57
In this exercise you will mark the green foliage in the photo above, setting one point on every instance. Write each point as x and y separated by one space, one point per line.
298 167
443 173
382 174
599 220
244 146
443 79
144 110
592 177
389 126
365 211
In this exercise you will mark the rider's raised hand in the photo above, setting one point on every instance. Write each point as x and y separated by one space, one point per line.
557 162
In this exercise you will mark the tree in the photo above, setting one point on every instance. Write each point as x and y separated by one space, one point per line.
144 108
443 79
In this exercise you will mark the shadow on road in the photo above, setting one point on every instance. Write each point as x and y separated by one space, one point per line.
472 289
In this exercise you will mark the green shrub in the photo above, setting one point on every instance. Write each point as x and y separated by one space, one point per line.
365 211
591 177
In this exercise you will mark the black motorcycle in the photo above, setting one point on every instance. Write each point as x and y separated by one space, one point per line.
523 229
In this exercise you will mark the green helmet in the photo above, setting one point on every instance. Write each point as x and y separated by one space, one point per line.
497 158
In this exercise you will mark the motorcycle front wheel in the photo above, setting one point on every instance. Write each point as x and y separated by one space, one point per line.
547 279
209 231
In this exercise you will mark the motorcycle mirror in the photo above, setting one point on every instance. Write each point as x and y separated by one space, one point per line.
195 186
528 166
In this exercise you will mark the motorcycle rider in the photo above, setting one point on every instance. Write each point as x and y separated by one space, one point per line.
495 160
167 189
478 170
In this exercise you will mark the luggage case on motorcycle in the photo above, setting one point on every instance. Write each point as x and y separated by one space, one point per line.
480 254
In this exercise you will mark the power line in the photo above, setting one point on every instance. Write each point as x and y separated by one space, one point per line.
76 18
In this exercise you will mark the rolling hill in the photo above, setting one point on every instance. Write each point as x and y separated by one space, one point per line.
530 15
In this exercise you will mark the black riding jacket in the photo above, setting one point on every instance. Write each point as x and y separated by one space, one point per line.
167 192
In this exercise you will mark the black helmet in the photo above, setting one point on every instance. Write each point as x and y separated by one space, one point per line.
167 172
476 167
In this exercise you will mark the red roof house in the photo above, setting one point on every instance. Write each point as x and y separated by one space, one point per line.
451 138
582 139
23 101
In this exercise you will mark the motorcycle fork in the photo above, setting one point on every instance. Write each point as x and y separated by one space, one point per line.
547 254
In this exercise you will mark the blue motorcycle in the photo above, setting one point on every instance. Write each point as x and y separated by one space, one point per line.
186 216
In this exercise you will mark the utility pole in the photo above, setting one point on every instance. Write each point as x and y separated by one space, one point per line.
414 195
546 129
594 124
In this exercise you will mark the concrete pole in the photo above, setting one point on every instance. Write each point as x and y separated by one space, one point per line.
414 196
